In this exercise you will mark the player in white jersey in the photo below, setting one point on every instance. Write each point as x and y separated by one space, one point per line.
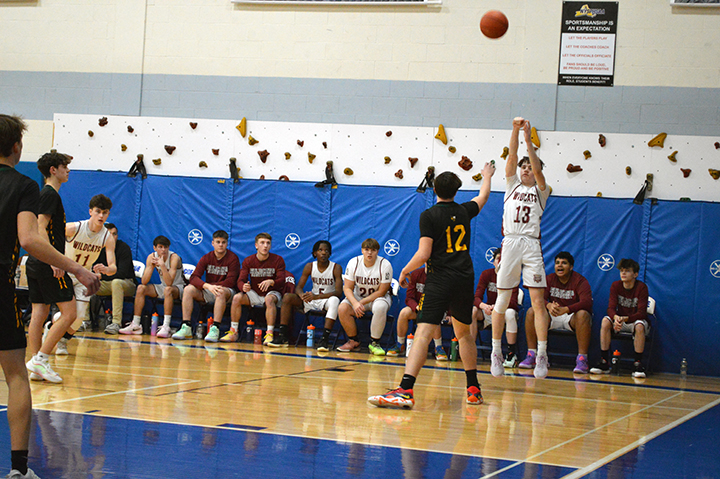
326 277
366 286
170 270
525 199
84 241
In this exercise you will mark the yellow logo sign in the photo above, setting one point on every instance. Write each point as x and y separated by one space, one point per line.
586 11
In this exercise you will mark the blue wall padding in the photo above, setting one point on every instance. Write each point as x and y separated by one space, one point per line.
674 242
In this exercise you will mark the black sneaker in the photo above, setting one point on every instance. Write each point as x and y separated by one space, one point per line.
323 345
279 340
639 371
603 367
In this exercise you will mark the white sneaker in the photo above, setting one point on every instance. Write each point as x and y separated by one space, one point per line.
541 366
15 474
213 335
35 377
183 333
43 369
163 332
131 328
61 348
496 364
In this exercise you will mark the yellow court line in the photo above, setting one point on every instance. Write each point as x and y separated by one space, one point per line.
592 431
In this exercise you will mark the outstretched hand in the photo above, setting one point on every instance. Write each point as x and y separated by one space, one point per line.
488 170
518 122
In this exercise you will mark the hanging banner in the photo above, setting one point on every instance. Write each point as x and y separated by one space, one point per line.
587 43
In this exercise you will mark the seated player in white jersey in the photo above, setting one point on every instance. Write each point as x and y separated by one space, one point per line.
83 242
366 286
525 199
172 282
326 277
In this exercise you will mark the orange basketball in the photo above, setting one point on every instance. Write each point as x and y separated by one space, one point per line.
494 24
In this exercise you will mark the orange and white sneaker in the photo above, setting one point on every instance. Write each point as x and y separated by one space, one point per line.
397 398
474 396
230 337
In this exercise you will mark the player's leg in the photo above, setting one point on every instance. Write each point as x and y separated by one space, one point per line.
531 336
290 302
581 323
19 405
537 297
478 315
511 332
639 332
346 314
238 301
169 295
331 306
271 301
498 326
39 314
603 366
119 289
379 310
190 295
403 320
143 291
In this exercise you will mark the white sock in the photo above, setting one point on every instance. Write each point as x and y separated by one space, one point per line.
497 346
542 348
270 329
438 342
534 351
166 320
234 325
401 339
136 320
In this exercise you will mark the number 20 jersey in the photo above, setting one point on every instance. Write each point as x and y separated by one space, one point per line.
524 206
85 246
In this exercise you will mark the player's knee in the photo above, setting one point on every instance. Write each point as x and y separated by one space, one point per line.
379 307
503 300
511 321
640 328
405 314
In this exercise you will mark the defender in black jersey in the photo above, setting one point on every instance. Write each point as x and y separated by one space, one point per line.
18 227
444 246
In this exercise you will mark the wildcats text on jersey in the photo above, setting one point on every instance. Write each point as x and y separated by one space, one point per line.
262 272
218 270
525 197
79 246
627 302
323 281
361 280
561 293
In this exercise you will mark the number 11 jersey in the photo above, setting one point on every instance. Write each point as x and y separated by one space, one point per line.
85 246
524 206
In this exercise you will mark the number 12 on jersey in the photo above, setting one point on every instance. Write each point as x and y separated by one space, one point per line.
457 246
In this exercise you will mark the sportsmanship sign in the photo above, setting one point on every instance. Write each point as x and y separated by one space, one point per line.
587 44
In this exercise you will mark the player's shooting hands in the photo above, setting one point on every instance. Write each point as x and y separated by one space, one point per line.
518 122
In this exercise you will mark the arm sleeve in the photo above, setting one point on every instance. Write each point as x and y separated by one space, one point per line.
426 228
243 274
231 279
472 209
642 295
196 276
585 300
612 302
30 197
386 270
349 274
280 275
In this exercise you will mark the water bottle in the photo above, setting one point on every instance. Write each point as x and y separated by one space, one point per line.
615 364
154 324
410 340
249 331
683 369
200 331
258 336
210 323
310 336
454 349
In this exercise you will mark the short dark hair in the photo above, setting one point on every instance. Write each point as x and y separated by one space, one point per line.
527 159
11 132
221 234
161 240
447 184
48 160
110 226
100 201
567 256
263 236
371 243
497 252
317 245
627 263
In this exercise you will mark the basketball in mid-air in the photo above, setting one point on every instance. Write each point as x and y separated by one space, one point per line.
494 24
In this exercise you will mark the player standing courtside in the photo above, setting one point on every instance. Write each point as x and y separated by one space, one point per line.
47 284
85 239
445 247
525 199
19 227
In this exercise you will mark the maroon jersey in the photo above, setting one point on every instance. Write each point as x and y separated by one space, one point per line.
289 283
217 271
628 302
487 284
255 272
416 288
575 294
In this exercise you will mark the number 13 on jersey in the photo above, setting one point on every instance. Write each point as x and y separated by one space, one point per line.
459 233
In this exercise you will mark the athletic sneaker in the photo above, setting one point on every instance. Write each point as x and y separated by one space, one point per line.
163 332
603 367
397 398
396 350
35 377
376 349
43 369
440 354
131 328
639 371
61 348
84 327
280 340
496 364
213 335
185 332
269 336
323 345
112 328
474 396
541 366
349 346
528 362
230 337
581 364
15 474
511 361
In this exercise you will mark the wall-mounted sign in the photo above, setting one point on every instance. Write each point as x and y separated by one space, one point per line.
587 43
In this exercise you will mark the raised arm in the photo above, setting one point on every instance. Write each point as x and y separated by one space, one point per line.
534 160
487 172
512 159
